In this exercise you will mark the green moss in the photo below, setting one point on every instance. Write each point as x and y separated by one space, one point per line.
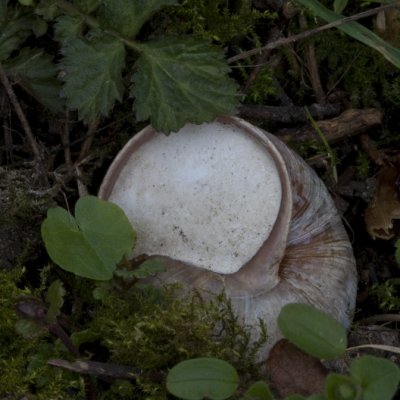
219 20
369 79
387 295
155 331
148 328
23 362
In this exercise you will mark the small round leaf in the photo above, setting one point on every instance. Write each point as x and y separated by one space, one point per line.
201 378
378 377
258 391
312 331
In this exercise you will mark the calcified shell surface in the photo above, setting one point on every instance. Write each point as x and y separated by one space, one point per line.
208 195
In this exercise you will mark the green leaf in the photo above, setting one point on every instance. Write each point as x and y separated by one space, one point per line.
201 378
28 329
127 17
91 244
356 31
36 72
339 5
102 290
181 80
85 336
93 79
313 331
149 268
378 377
68 27
55 298
341 387
15 27
146 269
258 391
87 6
47 9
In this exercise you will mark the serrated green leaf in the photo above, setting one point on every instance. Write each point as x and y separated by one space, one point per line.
68 27
378 377
356 31
36 72
15 27
180 80
87 6
312 331
202 378
127 17
92 243
47 9
93 80
55 298
258 391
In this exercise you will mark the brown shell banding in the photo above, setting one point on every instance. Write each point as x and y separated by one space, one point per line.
307 258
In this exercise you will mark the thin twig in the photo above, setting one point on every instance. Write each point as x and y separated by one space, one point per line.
95 368
66 144
24 122
380 318
311 32
313 66
87 144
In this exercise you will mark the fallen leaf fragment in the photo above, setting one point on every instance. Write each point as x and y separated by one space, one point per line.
292 371
384 207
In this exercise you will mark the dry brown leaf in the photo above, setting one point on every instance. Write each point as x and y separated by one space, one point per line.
293 372
384 207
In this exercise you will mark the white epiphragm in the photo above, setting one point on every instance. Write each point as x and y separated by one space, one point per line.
208 195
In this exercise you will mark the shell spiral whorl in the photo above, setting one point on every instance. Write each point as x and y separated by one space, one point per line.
306 257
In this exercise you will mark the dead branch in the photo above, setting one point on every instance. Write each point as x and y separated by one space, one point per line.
304 35
94 368
349 123
287 114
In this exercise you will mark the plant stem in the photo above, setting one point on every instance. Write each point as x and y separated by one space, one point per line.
24 122
303 35
325 143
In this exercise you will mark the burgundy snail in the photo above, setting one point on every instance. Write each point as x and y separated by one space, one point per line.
229 207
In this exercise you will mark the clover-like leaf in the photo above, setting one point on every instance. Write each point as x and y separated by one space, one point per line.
181 80
91 244
312 331
127 17
93 79
202 378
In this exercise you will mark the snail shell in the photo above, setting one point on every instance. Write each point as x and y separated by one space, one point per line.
292 250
